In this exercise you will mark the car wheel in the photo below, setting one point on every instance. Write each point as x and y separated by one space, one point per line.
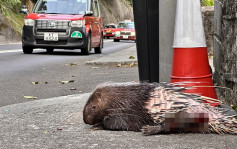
98 49
87 49
49 50
116 40
27 50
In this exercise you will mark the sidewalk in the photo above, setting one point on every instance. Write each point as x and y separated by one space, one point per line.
57 123
124 57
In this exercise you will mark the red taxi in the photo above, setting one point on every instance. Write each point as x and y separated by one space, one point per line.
109 30
63 24
125 31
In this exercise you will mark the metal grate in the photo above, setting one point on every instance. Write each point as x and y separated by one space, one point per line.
51 30
59 26
125 33
39 41
49 24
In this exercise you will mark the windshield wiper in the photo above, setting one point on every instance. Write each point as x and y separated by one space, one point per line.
53 13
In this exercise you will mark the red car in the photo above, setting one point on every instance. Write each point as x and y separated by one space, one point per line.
109 30
63 24
125 31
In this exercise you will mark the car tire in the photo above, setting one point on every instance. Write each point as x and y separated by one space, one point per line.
49 50
27 50
116 40
87 49
98 49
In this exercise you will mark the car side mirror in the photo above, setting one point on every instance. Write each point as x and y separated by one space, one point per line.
24 10
88 13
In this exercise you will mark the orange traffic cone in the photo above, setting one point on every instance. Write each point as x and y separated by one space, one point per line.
190 59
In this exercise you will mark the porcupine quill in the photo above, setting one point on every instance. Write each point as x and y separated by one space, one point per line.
154 108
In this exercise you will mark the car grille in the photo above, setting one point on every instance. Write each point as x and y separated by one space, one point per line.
125 33
40 41
59 26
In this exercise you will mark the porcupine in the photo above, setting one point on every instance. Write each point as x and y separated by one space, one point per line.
153 108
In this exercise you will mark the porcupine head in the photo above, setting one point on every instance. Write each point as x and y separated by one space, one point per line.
95 108
118 106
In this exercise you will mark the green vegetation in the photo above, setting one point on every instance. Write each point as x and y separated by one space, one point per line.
10 10
207 2
127 2
12 5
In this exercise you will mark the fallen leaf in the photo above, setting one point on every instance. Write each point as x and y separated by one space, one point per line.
45 132
45 82
119 65
211 57
73 64
59 129
30 97
131 57
73 89
64 82
234 107
37 82
95 67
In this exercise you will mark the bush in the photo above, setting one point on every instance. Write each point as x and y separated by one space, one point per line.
12 5
207 2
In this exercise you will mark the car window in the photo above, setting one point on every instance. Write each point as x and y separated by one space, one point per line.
130 25
126 25
61 6
122 25
109 26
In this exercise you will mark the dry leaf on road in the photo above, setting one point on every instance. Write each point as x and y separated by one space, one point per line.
30 97
64 82
37 82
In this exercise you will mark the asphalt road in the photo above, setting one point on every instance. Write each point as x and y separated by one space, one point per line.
58 122
18 71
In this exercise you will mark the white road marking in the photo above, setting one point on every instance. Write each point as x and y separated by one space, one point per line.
16 50
20 50
108 40
4 44
8 51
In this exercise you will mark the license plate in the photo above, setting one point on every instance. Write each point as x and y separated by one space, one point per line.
51 36
108 31
125 36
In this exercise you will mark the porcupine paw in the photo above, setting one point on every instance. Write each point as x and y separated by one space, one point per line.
151 130
96 127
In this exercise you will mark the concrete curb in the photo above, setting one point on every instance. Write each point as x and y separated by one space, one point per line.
125 57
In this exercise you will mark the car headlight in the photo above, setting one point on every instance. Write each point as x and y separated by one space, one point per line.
133 34
78 23
117 33
29 22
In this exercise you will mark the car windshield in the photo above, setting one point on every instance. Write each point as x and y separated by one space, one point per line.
61 6
126 25
109 26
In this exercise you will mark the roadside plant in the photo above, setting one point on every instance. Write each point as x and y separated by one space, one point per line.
208 2
12 5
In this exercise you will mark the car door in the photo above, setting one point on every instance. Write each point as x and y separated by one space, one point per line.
96 23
